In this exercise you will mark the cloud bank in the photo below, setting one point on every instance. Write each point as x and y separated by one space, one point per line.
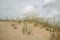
49 1
52 14
28 9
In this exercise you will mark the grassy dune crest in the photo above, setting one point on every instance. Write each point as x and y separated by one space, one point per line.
54 29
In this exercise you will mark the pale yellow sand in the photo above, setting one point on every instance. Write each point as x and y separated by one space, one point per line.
7 32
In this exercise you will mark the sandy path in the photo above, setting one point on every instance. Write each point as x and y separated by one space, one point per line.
7 32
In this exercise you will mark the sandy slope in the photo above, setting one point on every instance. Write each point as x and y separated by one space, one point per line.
7 32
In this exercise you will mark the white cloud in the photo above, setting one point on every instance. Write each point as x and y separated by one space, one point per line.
28 9
53 14
49 1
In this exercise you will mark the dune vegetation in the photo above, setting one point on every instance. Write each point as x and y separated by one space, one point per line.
54 29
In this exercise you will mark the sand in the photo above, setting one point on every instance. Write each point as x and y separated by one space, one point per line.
14 32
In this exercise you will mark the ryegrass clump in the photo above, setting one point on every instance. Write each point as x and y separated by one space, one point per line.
32 19
56 34
26 29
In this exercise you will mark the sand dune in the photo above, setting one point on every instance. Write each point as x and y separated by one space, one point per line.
14 32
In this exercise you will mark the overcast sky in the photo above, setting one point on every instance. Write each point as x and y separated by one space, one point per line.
43 8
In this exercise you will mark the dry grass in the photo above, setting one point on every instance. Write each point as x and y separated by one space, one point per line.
55 28
26 29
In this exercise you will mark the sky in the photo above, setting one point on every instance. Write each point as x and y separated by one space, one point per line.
42 8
